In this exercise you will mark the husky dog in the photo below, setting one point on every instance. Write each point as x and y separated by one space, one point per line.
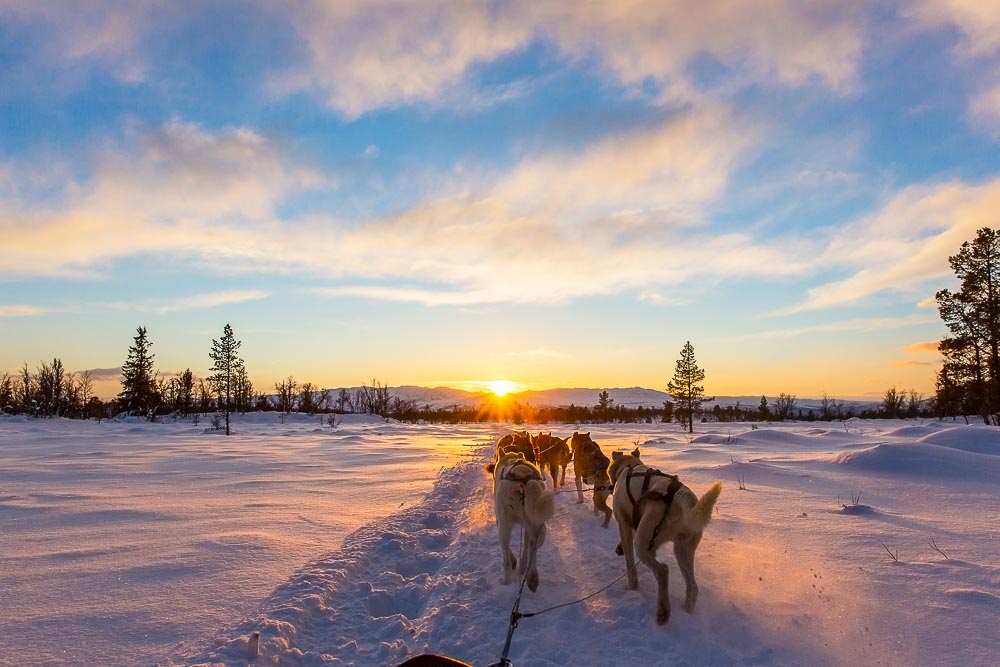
520 497
652 508
551 453
591 466
519 441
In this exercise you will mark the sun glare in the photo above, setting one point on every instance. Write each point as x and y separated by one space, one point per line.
501 387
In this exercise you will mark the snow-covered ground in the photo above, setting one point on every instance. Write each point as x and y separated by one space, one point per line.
123 543
136 544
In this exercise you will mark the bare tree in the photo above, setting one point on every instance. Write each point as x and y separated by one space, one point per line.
286 394
784 406
344 403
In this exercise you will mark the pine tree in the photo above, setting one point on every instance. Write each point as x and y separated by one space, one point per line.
604 403
138 395
763 410
684 387
972 314
225 370
185 392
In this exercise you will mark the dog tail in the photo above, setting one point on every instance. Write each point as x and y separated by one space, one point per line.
539 504
701 513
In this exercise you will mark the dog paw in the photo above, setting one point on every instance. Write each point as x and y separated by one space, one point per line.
662 614
533 582
618 548
580 501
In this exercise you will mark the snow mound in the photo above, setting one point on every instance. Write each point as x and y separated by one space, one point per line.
767 435
978 439
920 459
910 432
975 596
715 439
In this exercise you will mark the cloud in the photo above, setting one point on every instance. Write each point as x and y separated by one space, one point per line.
372 54
109 36
20 310
930 346
177 190
629 212
859 324
977 21
426 297
211 300
984 107
910 364
978 27
105 374
903 245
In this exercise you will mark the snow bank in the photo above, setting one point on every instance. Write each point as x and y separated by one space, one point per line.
923 460
979 439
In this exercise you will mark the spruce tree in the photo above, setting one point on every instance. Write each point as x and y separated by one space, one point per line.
226 369
763 410
972 314
684 387
138 394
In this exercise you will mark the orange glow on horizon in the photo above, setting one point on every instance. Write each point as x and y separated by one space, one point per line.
501 387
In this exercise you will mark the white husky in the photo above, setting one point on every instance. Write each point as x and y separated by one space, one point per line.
520 497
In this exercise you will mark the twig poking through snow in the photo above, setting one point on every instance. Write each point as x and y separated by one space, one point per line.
893 556
936 548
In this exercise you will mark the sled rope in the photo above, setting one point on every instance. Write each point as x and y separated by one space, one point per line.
516 615
566 604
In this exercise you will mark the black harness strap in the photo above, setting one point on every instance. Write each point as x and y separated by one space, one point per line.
645 494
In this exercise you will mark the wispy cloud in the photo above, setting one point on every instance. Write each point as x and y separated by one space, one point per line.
903 245
910 364
627 213
426 297
978 26
20 310
105 374
175 190
860 324
930 346
375 54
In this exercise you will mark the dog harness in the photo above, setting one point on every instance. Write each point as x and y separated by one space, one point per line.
520 480
666 497
594 456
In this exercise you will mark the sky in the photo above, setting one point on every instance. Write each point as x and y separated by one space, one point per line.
555 194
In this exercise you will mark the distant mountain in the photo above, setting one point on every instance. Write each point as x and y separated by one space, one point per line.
444 397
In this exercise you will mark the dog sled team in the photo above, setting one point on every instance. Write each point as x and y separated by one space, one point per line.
650 507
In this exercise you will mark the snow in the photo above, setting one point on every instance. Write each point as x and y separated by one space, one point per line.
139 544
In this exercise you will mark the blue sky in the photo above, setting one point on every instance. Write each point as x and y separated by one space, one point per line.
556 194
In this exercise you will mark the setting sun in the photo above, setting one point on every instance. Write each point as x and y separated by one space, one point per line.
501 387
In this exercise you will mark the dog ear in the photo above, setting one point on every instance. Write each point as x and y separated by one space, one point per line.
616 455
587 435
490 467
635 452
